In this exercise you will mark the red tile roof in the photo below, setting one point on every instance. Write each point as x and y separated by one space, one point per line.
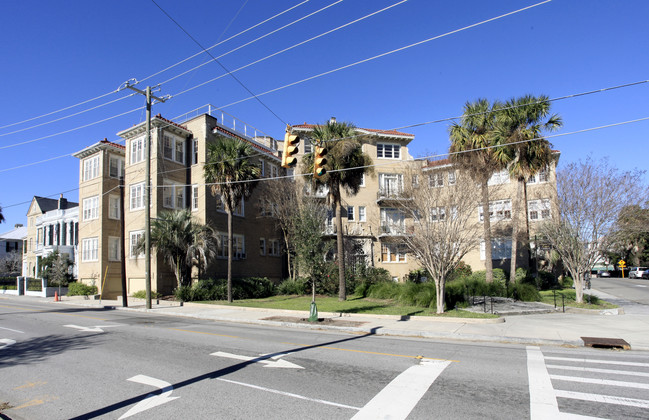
159 116
440 162
110 143
373 130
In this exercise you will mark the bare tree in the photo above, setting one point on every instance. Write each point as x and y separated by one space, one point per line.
11 263
444 228
590 196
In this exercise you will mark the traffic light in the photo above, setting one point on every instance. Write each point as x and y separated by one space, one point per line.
291 147
319 161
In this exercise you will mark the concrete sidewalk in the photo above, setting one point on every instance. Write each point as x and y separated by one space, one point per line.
542 329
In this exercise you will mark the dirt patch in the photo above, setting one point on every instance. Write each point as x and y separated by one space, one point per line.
321 321
4 406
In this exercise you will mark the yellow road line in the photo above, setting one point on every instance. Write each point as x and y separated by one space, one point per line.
37 401
30 385
52 312
372 352
206 333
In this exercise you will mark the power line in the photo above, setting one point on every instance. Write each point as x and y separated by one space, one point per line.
219 63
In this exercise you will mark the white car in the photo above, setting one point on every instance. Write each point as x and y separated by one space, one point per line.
636 272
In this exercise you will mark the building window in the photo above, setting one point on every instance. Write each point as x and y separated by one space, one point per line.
499 178
500 249
238 246
262 246
415 181
538 210
362 184
436 179
91 208
91 168
308 146
392 221
137 196
173 196
541 177
498 210
89 249
273 247
134 238
114 248
451 177
274 171
388 151
350 213
115 166
390 185
437 214
173 148
393 253
194 197
239 210
137 150
361 214
113 207
262 167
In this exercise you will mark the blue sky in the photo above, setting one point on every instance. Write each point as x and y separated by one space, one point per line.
61 54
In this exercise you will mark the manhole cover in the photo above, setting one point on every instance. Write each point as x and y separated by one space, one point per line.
606 343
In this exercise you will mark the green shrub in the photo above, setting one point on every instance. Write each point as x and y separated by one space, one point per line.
567 282
81 289
216 289
293 287
526 292
462 270
141 294
416 276
384 290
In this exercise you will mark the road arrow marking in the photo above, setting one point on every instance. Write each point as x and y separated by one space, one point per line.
96 328
150 400
261 359
7 342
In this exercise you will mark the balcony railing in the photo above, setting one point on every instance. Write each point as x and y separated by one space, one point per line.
391 193
393 229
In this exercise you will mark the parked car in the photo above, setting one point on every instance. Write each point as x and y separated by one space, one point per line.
636 272
645 274
603 273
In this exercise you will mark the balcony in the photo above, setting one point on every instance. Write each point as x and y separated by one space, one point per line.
320 192
390 194
394 229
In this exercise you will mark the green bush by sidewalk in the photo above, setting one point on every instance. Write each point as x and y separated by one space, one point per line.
216 289
81 289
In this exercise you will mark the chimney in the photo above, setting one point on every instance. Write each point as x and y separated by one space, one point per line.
18 225
332 120
63 203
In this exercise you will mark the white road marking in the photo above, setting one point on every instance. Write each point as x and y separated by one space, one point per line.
543 402
96 328
606 362
7 342
600 381
400 396
596 370
9 329
150 400
607 399
288 394
262 359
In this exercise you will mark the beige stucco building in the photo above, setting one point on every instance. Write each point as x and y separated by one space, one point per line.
375 223
178 155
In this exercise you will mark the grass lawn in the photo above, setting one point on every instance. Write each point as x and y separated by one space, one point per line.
353 304
547 296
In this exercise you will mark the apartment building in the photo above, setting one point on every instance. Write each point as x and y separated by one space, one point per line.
52 225
178 156
375 224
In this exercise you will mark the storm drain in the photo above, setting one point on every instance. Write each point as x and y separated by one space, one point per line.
606 343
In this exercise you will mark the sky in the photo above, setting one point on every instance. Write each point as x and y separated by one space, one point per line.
384 64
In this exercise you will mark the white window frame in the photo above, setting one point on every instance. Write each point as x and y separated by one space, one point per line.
499 178
173 195
114 207
174 151
262 246
91 167
350 213
194 151
452 177
91 208
114 248
393 250
89 249
391 184
388 151
362 216
119 167
538 210
498 210
136 196
194 197
437 214
134 237
238 246
362 184
274 248
541 177
308 146
137 150
435 179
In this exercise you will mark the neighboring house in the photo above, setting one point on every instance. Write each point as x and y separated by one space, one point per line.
375 225
52 225
178 155
11 244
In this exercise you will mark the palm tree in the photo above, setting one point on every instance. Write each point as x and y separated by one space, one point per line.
182 242
231 172
346 166
519 125
470 150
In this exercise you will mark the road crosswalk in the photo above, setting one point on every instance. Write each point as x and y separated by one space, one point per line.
607 386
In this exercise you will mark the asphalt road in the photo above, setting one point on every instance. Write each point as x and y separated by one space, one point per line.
635 290
59 362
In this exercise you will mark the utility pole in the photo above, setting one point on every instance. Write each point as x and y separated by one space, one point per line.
147 189
122 235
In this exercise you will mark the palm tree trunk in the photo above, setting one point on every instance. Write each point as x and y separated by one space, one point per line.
342 287
525 242
230 237
488 263
516 207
